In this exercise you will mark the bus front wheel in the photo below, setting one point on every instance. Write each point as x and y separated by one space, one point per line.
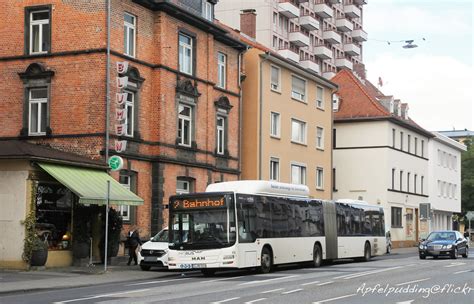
367 254
317 256
265 261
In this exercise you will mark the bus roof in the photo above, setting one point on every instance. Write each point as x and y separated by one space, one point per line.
351 201
260 187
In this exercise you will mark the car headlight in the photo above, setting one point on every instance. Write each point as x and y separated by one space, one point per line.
449 246
421 247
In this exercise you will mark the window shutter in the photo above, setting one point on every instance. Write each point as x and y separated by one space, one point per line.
274 75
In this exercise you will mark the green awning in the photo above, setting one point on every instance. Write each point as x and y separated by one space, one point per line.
91 185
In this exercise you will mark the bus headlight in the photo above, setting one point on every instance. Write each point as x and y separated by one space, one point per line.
171 258
228 257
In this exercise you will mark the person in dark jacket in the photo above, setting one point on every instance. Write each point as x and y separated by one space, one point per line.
133 240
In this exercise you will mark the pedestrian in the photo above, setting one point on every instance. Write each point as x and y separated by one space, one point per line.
133 240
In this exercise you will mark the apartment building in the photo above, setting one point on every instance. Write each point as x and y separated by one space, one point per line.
174 111
445 180
381 156
323 36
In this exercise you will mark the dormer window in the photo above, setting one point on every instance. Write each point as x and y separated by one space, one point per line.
207 8
391 107
399 109
405 116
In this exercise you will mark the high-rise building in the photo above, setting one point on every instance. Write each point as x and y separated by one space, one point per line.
323 36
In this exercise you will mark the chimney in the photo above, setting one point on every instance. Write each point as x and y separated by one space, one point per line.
248 22
359 68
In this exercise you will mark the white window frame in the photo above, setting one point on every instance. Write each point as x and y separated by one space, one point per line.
220 129
320 138
207 10
319 178
183 190
275 124
129 104
182 119
301 133
183 60
40 24
130 46
320 98
274 169
302 173
335 103
221 70
298 95
275 86
125 209
38 102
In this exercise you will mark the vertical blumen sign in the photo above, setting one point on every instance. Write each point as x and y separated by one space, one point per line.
120 99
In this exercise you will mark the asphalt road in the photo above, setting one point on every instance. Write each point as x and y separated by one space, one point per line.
388 279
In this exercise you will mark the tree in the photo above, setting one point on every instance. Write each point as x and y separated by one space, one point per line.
467 177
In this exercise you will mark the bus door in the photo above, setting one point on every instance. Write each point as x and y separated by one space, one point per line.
330 229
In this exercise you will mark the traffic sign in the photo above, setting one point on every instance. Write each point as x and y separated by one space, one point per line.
115 162
470 215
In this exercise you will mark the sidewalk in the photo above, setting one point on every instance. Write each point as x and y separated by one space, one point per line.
21 281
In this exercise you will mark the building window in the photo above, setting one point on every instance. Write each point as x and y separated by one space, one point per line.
320 97
393 138
221 70
185 120
421 184
335 103
130 112
416 146
124 210
129 30
39 30
320 138
422 148
183 186
401 180
393 179
396 217
298 174
401 140
275 124
408 182
275 81
298 88
38 111
334 137
415 181
319 178
220 135
274 169
298 131
334 188
409 142
186 54
207 10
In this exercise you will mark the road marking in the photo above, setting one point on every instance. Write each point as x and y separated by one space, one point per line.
462 271
416 281
410 265
253 301
226 300
273 290
309 283
292 291
102 296
371 272
326 283
455 264
333 299
154 282
269 280
406 302
224 279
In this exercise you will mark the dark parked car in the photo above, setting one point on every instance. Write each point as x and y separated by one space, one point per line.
448 242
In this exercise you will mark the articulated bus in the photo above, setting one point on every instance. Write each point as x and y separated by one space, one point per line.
260 224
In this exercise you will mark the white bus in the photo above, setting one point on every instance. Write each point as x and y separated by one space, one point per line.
259 224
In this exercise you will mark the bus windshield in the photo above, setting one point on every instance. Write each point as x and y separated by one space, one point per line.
200 222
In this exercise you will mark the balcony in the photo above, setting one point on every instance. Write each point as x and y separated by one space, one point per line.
359 35
359 2
334 1
310 65
323 10
344 25
343 63
322 52
329 74
309 23
331 37
352 11
289 54
351 49
288 9
298 39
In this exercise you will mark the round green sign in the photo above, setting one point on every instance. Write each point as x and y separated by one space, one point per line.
115 163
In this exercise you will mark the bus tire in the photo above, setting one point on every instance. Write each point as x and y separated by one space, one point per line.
366 257
317 256
208 272
265 261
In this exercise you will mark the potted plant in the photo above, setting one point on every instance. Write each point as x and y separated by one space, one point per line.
114 229
39 252
81 231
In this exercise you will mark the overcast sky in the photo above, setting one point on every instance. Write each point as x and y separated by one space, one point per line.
436 78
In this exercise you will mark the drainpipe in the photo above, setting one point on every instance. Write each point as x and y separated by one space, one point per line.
267 56
107 86
239 147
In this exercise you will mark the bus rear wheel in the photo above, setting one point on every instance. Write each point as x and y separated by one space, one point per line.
317 256
366 257
265 261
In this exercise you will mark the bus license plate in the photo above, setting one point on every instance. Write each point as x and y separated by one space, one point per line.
192 266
